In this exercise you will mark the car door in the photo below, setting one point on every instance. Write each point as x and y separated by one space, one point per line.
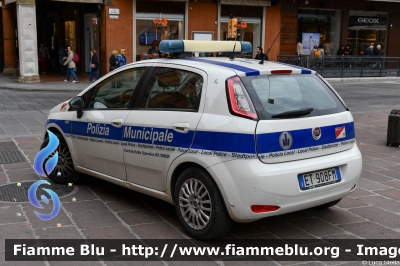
97 135
163 124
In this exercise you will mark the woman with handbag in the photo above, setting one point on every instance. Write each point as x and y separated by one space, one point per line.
114 63
94 65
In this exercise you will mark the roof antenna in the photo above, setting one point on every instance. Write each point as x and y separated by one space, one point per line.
266 54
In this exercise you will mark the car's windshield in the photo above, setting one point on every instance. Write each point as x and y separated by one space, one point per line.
284 96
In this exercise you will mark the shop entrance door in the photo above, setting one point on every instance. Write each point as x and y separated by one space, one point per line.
359 38
92 40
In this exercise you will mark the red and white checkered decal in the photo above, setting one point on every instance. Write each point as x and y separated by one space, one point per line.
340 132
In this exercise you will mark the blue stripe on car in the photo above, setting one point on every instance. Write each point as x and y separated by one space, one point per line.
217 141
302 138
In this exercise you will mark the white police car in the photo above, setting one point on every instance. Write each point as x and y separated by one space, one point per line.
222 139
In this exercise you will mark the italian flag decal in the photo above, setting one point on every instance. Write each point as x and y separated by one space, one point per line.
340 132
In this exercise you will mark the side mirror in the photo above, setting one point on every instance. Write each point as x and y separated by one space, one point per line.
77 103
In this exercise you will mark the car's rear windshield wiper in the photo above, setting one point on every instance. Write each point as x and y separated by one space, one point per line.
294 113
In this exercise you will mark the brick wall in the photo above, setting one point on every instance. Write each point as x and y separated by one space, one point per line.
202 17
117 33
272 28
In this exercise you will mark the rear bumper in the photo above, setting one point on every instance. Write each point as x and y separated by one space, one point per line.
244 183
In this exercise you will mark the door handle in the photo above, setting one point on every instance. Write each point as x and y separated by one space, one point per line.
117 122
181 127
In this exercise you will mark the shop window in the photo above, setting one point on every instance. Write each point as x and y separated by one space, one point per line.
252 33
366 28
319 26
150 32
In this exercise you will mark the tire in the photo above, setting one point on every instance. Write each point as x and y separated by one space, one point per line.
64 172
327 205
213 219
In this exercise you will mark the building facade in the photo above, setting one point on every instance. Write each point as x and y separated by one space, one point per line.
139 25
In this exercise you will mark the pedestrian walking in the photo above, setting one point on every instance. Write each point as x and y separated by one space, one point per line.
44 55
114 63
369 50
322 50
61 54
299 48
327 48
69 62
121 58
313 52
377 50
94 65
340 51
348 51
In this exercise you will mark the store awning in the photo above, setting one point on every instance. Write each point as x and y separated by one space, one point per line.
246 2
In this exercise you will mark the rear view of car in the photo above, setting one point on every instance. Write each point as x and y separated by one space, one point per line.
305 145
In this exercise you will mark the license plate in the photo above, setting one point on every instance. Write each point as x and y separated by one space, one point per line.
319 178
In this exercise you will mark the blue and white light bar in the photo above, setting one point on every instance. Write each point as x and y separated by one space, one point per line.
182 46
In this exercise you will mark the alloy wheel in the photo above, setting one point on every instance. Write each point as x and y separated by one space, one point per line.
195 204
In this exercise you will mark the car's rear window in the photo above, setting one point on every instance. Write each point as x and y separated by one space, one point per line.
273 95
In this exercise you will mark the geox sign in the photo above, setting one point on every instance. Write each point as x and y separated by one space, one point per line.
367 21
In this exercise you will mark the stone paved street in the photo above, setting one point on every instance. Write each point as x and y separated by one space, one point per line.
105 211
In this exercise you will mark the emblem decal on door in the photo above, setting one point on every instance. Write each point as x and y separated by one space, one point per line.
316 133
340 132
285 140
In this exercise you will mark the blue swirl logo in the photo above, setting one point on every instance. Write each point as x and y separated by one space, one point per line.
43 165
33 200
40 164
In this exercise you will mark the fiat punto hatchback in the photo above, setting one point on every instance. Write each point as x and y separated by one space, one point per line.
223 139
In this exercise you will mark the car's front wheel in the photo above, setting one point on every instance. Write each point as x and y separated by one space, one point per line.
199 205
64 172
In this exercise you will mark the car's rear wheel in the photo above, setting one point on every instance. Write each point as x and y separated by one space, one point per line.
199 205
327 205
64 172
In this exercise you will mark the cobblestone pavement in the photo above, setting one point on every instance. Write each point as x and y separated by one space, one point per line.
102 210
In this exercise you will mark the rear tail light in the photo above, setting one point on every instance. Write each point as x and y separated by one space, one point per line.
264 208
239 101
281 72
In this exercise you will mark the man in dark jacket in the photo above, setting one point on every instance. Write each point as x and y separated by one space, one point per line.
369 50
94 65
340 51
260 55
377 50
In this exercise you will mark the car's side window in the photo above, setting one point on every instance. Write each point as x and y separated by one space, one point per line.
116 91
171 88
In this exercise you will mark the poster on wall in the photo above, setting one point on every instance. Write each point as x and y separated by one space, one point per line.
309 39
